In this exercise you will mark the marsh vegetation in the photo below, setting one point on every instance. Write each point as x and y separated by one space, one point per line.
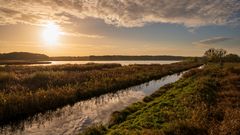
25 91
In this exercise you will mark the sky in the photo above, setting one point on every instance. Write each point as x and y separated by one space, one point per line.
119 27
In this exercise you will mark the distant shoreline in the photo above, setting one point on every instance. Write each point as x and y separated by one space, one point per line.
22 62
51 62
26 56
114 60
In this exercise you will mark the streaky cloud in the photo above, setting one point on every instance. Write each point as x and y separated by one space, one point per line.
76 34
212 40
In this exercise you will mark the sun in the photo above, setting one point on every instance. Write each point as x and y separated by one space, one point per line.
51 33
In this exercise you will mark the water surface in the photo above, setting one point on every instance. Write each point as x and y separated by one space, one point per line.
108 62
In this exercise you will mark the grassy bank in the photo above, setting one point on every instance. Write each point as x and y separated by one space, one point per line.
204 101
25 91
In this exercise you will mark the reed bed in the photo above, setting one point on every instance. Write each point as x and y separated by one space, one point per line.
25 91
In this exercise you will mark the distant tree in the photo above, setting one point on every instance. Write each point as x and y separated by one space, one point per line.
232 58
215 55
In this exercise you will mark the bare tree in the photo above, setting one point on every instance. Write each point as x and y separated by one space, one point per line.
215 55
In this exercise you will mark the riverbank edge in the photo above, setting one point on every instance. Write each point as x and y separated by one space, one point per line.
198 103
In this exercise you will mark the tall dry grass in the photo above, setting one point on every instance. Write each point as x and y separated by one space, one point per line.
25 91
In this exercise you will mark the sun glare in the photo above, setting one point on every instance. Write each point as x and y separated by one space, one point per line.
51 33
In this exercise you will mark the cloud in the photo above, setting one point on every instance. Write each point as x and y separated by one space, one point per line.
124 13
76 34
212 40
